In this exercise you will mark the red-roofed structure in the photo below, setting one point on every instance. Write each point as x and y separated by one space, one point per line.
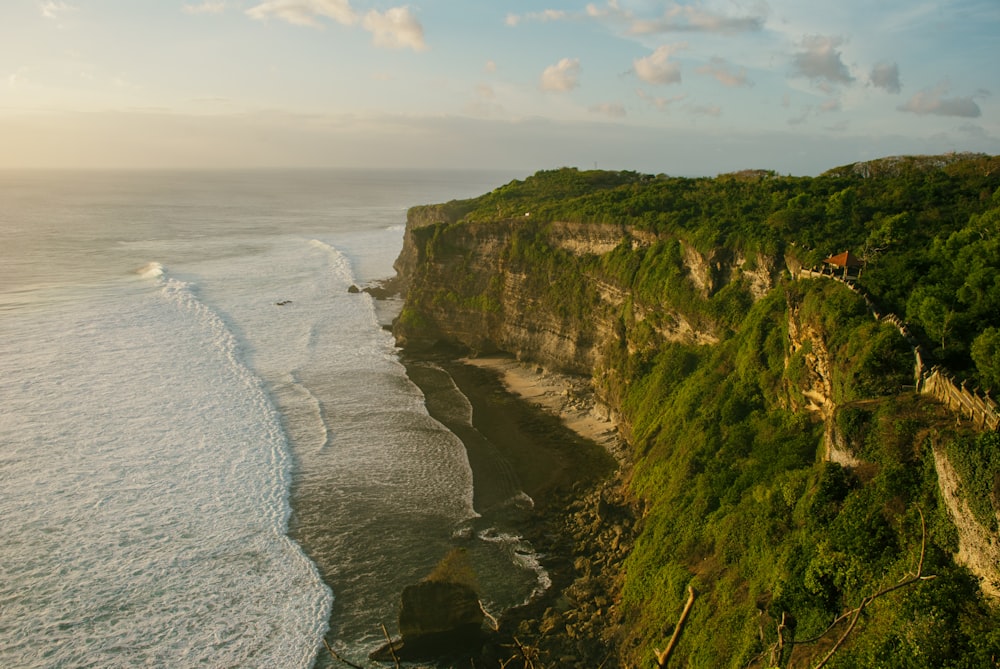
847 260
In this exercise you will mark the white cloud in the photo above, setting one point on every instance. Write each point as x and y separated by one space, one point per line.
304 12
514 20
932 101
886 75
657 68
395 28
660 103
724 73
562 77
206 7
610 10
53 9
820 60
609 109
490 67
688 18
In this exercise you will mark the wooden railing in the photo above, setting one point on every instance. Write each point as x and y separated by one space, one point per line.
937 381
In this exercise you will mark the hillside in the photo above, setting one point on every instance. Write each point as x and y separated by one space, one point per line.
784 462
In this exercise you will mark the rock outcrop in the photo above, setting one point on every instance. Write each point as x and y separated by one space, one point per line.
438 617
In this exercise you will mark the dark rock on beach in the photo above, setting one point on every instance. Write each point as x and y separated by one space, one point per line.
436 619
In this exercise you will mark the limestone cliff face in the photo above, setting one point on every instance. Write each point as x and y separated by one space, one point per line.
476 285
816 384
978 547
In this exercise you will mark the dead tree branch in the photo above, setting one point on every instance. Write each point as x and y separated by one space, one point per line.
392 648
337 657
855 614
664 655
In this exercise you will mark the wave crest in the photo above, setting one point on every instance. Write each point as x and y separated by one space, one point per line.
151 270
339 263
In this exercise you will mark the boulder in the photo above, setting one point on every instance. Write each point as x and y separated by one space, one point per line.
438 617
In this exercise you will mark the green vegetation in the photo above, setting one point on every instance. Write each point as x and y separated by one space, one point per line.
927 229
740 499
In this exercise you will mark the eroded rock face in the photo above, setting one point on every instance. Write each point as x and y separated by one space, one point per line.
978 547
466 287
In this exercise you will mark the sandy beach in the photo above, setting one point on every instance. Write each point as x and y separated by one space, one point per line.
568 397
530 432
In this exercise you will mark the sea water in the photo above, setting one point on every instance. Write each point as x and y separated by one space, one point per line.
210 454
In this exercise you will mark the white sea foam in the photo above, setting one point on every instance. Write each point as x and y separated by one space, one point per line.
150 270
522 554
154 529
339 263
145 466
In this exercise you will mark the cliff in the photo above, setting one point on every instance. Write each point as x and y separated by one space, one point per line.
477 285
785 467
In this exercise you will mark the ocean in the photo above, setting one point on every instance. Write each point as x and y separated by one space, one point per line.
210 452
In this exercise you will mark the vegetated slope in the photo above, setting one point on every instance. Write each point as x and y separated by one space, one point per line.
785 467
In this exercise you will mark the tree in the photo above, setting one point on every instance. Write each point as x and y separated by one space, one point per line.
986 355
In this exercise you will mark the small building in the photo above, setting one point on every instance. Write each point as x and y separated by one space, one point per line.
846 261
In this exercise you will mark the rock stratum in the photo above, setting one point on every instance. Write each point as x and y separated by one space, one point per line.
781 460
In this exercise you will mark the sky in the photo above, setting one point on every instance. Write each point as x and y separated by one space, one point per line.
682 88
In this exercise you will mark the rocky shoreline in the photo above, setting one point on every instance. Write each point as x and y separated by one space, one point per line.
583 523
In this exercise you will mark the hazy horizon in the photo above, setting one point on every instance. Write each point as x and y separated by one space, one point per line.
681 88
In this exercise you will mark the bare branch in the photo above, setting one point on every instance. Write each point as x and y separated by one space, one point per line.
392 648
664 655
338 657
916 578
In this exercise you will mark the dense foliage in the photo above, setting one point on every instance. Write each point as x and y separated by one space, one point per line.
740 499
927 230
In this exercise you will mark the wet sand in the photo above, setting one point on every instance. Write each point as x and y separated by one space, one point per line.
517 441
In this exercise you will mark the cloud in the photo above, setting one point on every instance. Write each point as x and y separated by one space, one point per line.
687 18
562 77
206 7
707 110
610 10
660 103
395 28
973 130
490 67
821 60
722 71
657 68
52 9
513 20
304 12
886 75
932 101
609 109
831 105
